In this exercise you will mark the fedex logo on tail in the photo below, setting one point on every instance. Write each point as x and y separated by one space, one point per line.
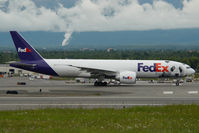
25 50
156 67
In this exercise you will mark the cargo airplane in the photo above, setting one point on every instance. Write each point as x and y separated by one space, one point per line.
124 71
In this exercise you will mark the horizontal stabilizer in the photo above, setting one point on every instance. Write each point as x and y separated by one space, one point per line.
19 64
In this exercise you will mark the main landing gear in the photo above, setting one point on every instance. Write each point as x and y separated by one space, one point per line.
97 83
178 78
177 82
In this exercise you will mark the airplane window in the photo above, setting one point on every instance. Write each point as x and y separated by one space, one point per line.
188 67
172 68
180 69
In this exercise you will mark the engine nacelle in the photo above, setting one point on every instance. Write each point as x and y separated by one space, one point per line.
127 77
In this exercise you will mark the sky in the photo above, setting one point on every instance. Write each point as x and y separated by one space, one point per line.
71 16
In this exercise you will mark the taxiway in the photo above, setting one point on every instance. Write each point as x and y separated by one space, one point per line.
63 94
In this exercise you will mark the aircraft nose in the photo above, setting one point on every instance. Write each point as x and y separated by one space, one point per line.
191 71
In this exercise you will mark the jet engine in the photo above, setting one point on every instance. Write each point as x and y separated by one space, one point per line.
126 77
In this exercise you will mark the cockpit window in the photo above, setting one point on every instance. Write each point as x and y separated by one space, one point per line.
188 67
180 69
172 68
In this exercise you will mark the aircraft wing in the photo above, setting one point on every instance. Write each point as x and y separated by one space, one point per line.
96 71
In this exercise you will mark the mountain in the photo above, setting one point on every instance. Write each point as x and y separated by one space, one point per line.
179 38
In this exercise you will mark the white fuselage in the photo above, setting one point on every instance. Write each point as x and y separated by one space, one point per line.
143 68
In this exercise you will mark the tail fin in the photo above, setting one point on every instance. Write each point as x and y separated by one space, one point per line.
25 51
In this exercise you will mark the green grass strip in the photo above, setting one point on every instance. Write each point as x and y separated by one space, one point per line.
139 119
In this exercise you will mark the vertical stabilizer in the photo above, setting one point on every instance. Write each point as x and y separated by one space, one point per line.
31 60
25 51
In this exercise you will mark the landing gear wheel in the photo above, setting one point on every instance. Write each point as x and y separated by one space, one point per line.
100 83
105 84
96 83
177 82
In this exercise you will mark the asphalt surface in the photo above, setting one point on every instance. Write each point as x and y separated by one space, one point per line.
64 94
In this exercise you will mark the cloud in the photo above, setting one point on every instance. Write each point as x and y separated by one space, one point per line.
23 15
97 15
109 15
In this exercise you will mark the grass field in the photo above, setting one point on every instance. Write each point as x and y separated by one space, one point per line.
147 119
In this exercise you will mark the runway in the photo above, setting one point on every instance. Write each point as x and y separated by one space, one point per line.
12 103
76 95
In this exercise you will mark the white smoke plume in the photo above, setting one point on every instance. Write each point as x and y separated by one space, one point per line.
67 37
97 15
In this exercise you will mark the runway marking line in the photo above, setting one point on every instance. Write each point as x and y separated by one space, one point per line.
168 92
192 92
